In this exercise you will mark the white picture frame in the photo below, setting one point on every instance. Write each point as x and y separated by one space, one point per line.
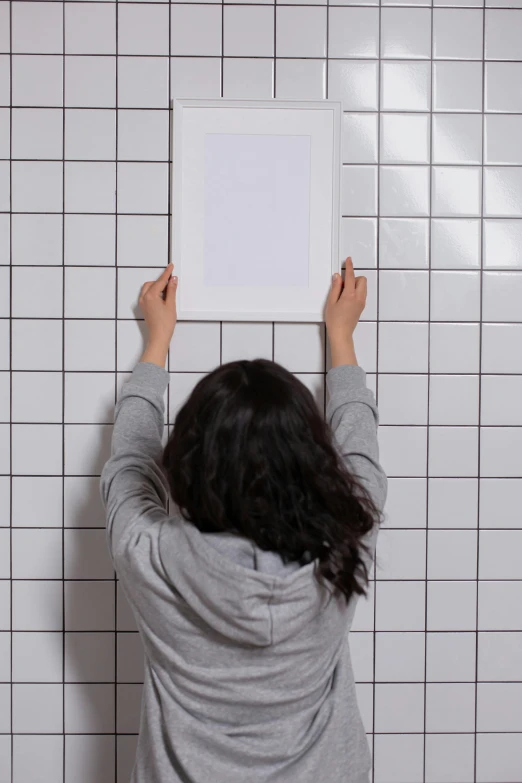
286 225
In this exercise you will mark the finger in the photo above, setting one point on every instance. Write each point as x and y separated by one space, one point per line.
170 296
335 288
145 287
349 275
159 285
361 287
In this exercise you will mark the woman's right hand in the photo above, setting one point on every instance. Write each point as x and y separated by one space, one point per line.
344 307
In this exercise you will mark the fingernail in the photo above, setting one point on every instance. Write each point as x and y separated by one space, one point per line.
174 279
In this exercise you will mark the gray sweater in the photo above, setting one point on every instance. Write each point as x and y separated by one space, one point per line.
248 676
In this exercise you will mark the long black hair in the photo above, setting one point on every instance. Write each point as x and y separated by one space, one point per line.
251 454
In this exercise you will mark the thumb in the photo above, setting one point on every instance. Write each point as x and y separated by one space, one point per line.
335 288
170 296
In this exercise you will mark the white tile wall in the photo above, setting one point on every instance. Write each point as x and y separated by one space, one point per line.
432 213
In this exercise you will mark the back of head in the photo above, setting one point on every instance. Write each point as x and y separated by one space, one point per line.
251 454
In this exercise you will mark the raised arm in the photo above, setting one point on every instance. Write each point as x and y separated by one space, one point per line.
133 486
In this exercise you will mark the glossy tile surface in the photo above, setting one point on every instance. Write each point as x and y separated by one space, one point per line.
431 213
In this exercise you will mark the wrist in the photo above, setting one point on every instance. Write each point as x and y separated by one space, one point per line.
342 350
156 352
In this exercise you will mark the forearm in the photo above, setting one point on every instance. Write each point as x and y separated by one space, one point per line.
342 351
156 352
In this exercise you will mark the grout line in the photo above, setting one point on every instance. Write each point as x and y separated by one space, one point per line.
116 292
63 393
428 417
479 422
11 773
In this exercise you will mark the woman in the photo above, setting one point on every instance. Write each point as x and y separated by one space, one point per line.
245 593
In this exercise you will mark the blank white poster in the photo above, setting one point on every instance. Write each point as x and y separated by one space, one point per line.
256 210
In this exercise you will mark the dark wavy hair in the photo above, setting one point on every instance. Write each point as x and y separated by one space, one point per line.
251 454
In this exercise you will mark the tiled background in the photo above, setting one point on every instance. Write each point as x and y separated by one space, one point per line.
431 94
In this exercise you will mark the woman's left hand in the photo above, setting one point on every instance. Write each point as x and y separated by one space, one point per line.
158 305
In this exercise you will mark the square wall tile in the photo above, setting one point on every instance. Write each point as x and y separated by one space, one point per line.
449 757
359 240
406 503
90 81
404 296
300 32
399 707
400 606
403 450
454 348
455 296
301 79
37 449
130 657
89 398
359 191
399 657
250 78
454 399
403 347
501 450
452 502
498 757
450 707
248 31
90 240
47 144
503 192
499 500
502 244
457 34
453 451
37 186
355 83
89 606
403 399
196 30
89 345
457 138
502 92
365 345
37 657
457 86
503 35
89 657
452 606
353 32
499 706
501 296
455 244
359 137
499 655
37 501
404 191
37 605
142 239
198 77
300 347
37 293
499 554
89 293
37 709
505 388
37 28
497 606
44 407
90 28
502 133
195 347
405 138
143 82
87 447
406 32
246 341
500 348
37 758
401 554
89 708
452 554
143 29
87 754
405 86
90 187
143 135
36 239
456 191
37 80
398 758
90 134
82 504
450 657
143 188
